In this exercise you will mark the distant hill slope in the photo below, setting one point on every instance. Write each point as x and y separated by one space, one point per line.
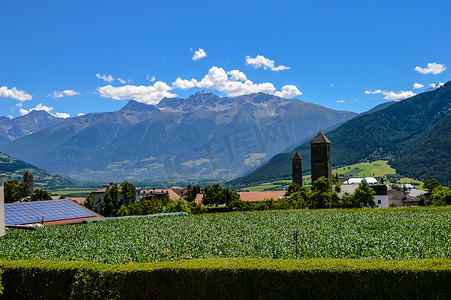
14 169
429 154
385 134
203 136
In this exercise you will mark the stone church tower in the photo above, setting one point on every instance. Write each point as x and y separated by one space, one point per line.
321 157
297 169
28 179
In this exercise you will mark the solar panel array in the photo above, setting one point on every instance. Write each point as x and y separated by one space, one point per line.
32 212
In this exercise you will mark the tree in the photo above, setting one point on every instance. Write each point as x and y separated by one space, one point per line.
192 192
321 195
364 195
39 195
293 188
15 190
128 193
111 200
215 194
431 184
441 195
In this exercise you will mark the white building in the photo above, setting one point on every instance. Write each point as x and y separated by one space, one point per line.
369 180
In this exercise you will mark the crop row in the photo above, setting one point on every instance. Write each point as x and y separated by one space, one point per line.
396 234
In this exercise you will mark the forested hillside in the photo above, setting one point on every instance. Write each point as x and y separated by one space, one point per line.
389 133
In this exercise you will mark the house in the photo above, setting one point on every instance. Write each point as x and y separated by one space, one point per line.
158 194
381 198
99 194
261 196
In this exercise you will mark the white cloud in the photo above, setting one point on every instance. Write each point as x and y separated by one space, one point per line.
151 79
340 101
106 78
218 79
237 75
261 61
184 84
121 81
64 93
331 84
14 94
436 85
288 91
199 54
19 104
80 114
417 86
395 96
62 115
151 94
10 117
433 68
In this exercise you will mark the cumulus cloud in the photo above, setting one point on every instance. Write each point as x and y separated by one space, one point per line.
395 96
417 86
199 54
10 117
14 94
261 61
340 101
218 79
432 68
184 84
106 78
62 115
237 75
288 91
80 114
61 94
151 94
151 79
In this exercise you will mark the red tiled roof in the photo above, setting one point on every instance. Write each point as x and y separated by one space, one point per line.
261 196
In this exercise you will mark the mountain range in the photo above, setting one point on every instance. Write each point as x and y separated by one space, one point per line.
413 134
203 136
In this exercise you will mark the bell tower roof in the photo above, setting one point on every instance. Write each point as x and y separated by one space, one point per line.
297 156
320 138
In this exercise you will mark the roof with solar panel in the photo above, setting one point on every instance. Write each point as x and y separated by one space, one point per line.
48 212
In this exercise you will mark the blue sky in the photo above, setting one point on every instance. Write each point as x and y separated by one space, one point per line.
71 57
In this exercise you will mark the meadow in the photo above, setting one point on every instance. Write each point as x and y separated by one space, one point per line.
412 233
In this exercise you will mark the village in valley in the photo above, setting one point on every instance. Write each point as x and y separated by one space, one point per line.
118 200
225 150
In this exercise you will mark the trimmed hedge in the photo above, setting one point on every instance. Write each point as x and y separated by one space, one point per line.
239 278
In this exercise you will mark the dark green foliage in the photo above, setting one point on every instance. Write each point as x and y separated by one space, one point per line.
321 195
40 195
364 195
192 192
15 191
414 133
441 195
215 194
229 279
431 184
128 193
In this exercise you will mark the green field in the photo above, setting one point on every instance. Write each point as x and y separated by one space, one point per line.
73 192
379 168
363 233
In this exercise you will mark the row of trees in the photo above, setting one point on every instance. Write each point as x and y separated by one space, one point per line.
18 191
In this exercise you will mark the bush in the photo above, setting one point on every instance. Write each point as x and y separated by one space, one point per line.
229 279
